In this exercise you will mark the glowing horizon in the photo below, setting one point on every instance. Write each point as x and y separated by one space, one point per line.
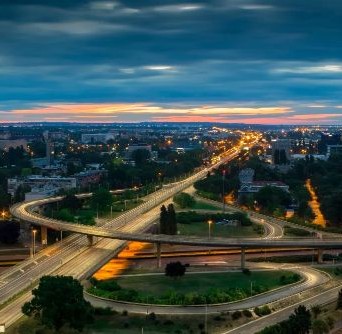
142 112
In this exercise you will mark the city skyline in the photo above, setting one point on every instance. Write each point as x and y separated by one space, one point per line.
254 62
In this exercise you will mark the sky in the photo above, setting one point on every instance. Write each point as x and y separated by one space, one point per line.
230 61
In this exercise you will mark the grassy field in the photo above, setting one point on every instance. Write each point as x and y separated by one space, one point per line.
204 206
201 229
158 284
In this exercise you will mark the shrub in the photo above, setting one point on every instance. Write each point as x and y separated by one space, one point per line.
247 313
151 316
246 271
108 285
263 310
236 315
103 311
125 313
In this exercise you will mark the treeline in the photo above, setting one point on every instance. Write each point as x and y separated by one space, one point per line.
194 217
326 178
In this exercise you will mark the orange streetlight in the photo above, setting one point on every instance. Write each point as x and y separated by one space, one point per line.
3 214
209 224
34 232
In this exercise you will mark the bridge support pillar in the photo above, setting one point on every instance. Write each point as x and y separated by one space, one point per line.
243 258
43 235
90 240
158 253
319 255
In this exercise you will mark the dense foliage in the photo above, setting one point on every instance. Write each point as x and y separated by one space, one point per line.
9 231
299 322
167 220
175 269
193 217
184 200
59 301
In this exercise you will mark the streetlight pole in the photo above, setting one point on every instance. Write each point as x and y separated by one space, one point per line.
209 223
34 242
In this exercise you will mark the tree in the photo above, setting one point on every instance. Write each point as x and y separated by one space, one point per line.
102 199
270 198
339 300
301 320
167 220
65 215
71 202
319 326
171 220
141 156
316 310
175 269
163 220
19 195
59 301
9 232
184 200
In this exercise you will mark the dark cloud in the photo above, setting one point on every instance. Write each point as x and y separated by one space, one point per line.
237 51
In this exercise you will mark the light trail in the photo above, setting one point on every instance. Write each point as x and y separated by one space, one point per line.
315 205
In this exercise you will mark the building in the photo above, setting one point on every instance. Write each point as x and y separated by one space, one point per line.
135 147
281 151
42 185
334 149
6 144
255 186
88 177
246 175
92 138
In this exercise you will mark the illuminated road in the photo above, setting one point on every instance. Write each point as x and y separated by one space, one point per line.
315 205
311 277
73 256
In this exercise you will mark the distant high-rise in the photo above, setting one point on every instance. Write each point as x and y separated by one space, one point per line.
49 148
281 151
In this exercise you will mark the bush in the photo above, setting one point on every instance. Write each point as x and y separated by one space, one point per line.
108 285
151 316
247 313
184 200
263 310
103 311
236 315
246 271
125 313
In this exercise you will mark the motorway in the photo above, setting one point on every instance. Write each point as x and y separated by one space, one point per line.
73 256
311 278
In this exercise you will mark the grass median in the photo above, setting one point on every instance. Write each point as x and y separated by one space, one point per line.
193 288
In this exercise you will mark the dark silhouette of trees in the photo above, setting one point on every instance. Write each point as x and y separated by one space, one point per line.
175 269
184 200
9 232
168 221
59 301
101 199
141 156
71 202
299 322
339 300
270 198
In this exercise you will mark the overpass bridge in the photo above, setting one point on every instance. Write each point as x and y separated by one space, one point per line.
26 212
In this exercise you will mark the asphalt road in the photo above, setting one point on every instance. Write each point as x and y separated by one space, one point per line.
311 277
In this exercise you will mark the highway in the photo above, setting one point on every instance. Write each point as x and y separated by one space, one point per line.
311 277
73 256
